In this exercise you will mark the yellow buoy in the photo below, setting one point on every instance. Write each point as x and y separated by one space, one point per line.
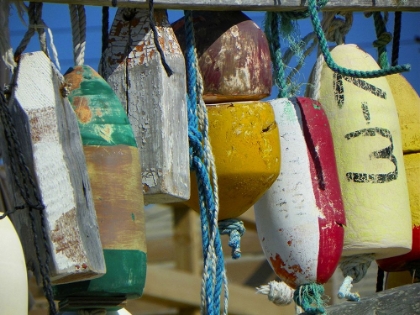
246 147
368 148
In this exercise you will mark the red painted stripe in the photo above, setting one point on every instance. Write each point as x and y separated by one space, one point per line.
326 186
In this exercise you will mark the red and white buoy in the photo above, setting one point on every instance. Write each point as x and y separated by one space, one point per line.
300 218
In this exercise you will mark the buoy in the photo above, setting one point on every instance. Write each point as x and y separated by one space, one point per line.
50 143
155 101
408 107
300 218
234 61
368 151
113 165
245 141
13 274
367 143
233 56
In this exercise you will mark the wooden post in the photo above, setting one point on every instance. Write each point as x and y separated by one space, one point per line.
155 102
50 142
188 246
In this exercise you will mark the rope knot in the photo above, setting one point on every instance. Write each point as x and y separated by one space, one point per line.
235 229
277 292
383 40
310 298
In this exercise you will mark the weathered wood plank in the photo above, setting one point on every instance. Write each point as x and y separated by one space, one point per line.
50 142
254 5
400 300
155 102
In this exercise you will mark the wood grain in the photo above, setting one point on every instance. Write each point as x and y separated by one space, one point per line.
50 141
252 5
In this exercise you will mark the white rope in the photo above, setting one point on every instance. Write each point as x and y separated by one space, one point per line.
211 169
78 26
6 50
354 268
277 292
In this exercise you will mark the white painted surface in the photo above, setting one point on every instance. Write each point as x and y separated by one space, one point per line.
287 212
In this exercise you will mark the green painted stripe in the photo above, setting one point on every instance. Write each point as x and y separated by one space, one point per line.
125 276
109 124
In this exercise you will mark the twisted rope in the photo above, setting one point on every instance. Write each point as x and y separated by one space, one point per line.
27 188
354 268
331 63
384 38
396 39
235 229
37 24
6 50
78 27
201 161
310 298
168 69
277 292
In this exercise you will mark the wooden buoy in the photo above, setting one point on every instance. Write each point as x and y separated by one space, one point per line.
50 142
246 146
408 107
13 274
155 102
300 218
233 56
367 142
113 164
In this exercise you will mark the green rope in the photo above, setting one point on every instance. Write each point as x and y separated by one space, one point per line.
331 63
271 27
384 38
309 298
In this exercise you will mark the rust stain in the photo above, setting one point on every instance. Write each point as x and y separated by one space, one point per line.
42 123
66 238
74 78
82 110
289 243
279 268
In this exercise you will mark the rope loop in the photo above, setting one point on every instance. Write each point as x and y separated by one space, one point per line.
331 63
235 229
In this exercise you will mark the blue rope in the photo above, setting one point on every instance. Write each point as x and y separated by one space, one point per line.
331 63
309 298
214 269
235 229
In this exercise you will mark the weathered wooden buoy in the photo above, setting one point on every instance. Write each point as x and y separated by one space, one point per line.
233 56
155 102
50 143
13 274
367 143
408 107
246 146
300 218
113 164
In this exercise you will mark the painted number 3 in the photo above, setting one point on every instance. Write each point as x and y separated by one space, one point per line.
385 153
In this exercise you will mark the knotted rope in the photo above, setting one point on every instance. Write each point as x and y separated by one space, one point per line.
331 63
396 38
235 229
27 189
277 292
78 27
201 161
310 298
354 268
37 24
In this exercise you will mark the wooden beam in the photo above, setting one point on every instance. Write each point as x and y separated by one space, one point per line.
255 5
400 300
181 289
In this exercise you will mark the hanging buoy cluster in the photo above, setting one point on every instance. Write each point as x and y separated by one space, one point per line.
234 61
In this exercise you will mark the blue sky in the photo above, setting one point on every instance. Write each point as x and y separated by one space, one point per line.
56 16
